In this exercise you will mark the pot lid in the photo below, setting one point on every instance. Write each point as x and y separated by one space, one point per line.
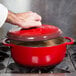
35 34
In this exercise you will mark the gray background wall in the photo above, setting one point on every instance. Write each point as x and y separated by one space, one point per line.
61 13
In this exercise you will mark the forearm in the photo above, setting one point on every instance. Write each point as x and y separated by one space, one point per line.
11 18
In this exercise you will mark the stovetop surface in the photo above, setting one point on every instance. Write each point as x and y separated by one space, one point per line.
7 64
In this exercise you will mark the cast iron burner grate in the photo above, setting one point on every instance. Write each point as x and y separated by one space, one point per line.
4 48
15 68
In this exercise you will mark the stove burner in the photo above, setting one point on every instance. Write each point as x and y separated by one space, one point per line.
4 48
73 47
57 70
24 69
74 57
15 68
3 56
2 66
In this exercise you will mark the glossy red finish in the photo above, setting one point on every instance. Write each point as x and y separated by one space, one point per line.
44 29
38 56
35 34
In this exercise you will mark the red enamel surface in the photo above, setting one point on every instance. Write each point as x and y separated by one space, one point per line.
42 56
45 29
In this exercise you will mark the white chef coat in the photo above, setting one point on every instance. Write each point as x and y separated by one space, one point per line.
3 14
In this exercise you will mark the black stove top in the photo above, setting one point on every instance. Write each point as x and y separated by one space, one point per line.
7 64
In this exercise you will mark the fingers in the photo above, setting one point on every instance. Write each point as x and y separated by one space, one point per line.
33 16
36 17
30 24
35 24
28 19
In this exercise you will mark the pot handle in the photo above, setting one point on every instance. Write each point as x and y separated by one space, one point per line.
71 41
5 43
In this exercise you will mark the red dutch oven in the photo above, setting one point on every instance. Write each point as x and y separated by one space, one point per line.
37 56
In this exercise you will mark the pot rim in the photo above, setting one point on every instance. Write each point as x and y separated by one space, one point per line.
65 43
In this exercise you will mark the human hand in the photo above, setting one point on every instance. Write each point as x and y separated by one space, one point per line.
24 20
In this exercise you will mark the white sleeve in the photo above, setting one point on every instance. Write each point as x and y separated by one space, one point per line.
3 14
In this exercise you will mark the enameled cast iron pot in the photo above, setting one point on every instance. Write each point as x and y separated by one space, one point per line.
38 56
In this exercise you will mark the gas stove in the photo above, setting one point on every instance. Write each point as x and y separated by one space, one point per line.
7 64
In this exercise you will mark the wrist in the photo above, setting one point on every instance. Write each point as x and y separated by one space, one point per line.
11 18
